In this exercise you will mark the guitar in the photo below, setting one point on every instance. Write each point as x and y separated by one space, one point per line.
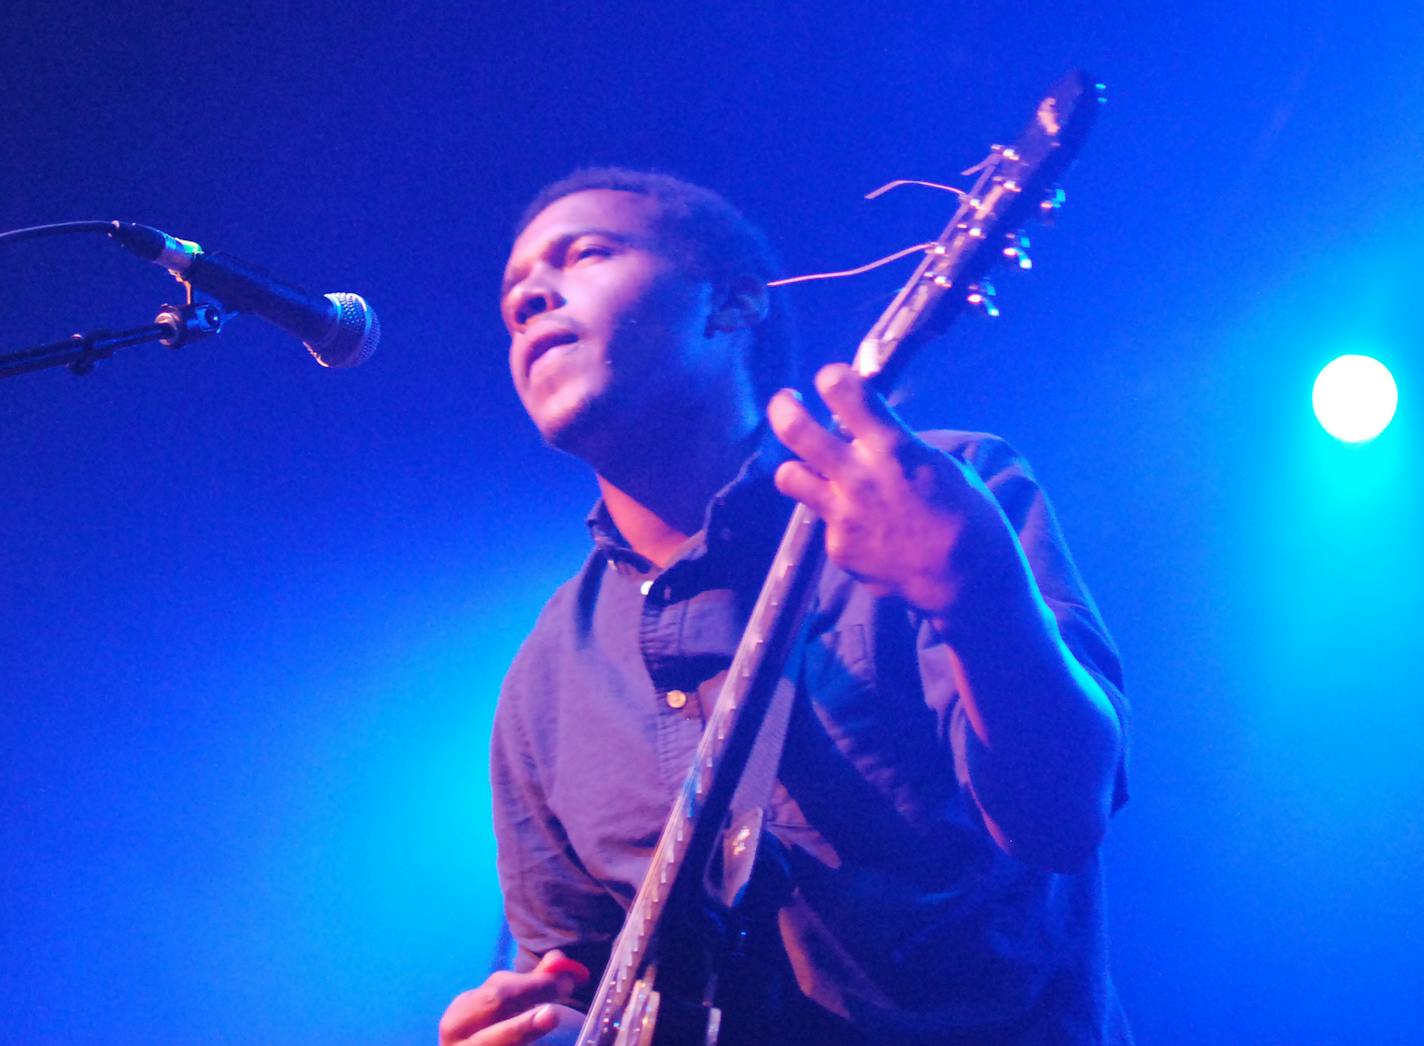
659 986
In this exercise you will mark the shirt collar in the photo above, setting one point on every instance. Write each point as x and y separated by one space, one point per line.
748 505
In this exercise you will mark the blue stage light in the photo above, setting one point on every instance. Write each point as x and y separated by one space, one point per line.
1354 398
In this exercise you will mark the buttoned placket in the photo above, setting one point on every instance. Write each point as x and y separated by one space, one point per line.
688 593
675 716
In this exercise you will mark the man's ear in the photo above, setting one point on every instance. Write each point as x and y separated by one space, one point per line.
742 302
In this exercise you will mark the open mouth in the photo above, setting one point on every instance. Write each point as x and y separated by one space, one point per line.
548 340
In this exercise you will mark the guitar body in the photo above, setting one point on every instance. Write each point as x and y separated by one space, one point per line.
647 1022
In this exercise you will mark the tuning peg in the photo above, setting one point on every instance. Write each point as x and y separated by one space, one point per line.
1048 207
981 296
1016 250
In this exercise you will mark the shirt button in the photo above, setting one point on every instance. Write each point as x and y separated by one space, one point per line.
645 587
676 698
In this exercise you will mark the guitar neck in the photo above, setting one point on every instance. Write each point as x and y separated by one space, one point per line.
691 833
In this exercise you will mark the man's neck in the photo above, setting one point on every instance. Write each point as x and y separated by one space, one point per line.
658 503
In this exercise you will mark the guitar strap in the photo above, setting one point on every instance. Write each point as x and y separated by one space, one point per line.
747 816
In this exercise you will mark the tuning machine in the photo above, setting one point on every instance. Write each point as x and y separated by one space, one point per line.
1016 250
981 296
1051 203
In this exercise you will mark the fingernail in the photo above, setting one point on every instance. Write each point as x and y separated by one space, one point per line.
545 1017
562 964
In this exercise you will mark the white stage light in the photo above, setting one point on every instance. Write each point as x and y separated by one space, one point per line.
1354 398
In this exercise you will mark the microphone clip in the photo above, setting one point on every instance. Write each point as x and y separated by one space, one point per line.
185 323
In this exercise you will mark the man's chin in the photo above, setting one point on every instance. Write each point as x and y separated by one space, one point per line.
573 430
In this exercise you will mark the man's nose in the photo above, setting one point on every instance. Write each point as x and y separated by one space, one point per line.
535 295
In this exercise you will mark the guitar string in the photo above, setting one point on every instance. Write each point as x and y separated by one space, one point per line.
984 168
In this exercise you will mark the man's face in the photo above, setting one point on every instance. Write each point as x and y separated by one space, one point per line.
606 330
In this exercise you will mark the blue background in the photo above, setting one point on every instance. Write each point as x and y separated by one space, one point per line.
253 613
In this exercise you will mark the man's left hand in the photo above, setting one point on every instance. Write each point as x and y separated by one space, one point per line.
906 519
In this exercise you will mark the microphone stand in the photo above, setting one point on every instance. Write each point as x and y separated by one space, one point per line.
174 326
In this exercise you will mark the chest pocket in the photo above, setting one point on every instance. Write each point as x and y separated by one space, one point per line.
862 765
835 682
838 673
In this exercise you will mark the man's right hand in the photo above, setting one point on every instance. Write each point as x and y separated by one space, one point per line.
511 1009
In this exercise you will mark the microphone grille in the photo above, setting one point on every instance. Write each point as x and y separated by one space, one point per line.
353 335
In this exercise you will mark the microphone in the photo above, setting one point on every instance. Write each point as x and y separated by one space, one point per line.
339 330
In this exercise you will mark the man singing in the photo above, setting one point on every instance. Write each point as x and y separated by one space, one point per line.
955 749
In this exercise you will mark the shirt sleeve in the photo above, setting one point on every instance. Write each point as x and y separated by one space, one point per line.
550 899
1029 512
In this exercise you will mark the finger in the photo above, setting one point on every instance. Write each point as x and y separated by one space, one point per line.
527 1027
803 435
559 964
505 994
796 480
862 410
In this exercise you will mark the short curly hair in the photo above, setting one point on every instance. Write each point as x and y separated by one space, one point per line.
714 241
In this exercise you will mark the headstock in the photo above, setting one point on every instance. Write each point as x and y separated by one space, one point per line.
1016 184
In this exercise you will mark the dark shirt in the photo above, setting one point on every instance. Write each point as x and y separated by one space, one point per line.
904 922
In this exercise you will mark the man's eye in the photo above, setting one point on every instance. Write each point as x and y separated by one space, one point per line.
588 250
